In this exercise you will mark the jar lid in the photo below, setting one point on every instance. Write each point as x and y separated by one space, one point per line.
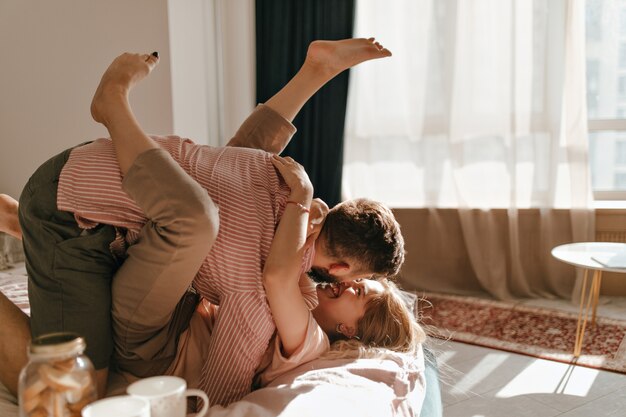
57 344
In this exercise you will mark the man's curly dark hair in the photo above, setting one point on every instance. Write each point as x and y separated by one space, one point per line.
366 232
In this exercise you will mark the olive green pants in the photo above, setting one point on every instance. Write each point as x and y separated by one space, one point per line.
69 268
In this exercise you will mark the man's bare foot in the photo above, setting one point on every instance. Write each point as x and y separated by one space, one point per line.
9 222
121 76
335 56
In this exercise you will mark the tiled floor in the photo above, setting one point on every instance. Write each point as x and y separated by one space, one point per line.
481 382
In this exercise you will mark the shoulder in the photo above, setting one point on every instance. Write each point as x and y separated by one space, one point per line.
313 346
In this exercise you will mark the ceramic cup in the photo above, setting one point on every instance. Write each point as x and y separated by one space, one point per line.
120 406
167 395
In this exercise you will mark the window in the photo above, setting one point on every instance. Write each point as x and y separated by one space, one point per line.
593 72
622 89
606 96
620 153
593 20
620 180
622 55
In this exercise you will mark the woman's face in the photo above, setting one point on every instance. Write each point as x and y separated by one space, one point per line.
344 303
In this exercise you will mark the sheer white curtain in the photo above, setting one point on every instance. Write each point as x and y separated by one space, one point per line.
212 48
481 108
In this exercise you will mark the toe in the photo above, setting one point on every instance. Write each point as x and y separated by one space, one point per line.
151 59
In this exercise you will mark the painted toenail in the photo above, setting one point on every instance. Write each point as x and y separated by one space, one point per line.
155 54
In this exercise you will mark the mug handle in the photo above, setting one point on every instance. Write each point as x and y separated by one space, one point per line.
205 400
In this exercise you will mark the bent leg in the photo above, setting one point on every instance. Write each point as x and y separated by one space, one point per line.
9 222
172 244
264 129
110 106
69 269
14 341
161 266
182 227
267 129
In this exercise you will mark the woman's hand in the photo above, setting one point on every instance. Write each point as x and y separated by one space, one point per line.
296 178
317 215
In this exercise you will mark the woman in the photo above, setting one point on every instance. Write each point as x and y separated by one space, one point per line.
368 313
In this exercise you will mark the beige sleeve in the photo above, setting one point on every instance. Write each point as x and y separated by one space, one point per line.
264 129
314 345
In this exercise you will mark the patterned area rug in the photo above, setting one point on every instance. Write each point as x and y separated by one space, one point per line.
539 332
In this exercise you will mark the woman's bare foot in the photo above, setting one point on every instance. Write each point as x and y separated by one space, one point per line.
9 222
121 76
334 57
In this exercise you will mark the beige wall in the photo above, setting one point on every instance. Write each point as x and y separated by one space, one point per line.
237 31
53 53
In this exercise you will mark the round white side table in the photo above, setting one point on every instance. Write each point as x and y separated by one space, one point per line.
582 255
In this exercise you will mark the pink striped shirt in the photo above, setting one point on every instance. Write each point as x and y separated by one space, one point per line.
250 196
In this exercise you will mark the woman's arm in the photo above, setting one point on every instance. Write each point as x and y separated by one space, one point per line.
282 267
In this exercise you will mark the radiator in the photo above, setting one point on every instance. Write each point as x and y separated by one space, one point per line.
610 236
611 225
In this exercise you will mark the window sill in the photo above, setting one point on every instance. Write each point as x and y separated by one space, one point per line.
609 204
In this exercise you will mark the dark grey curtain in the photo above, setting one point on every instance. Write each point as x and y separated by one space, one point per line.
284 29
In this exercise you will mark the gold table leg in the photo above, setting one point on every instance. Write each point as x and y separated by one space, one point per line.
583 290
596 297
591 301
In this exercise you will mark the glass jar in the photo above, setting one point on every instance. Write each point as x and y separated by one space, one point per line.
58 380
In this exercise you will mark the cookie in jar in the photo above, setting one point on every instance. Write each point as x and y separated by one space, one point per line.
59 380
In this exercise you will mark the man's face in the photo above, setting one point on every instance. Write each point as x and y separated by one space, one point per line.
321 275
326 269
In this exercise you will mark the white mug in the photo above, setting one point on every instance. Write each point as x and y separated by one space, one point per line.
120 406
167 395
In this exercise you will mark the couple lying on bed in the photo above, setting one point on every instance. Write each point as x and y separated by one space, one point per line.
216 247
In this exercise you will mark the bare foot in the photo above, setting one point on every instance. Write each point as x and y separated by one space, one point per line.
9 222
121 76
336 56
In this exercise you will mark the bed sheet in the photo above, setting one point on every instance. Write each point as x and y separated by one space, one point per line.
339 387
8 403
393 386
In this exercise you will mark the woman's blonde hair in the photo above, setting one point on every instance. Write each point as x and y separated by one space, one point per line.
388 323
